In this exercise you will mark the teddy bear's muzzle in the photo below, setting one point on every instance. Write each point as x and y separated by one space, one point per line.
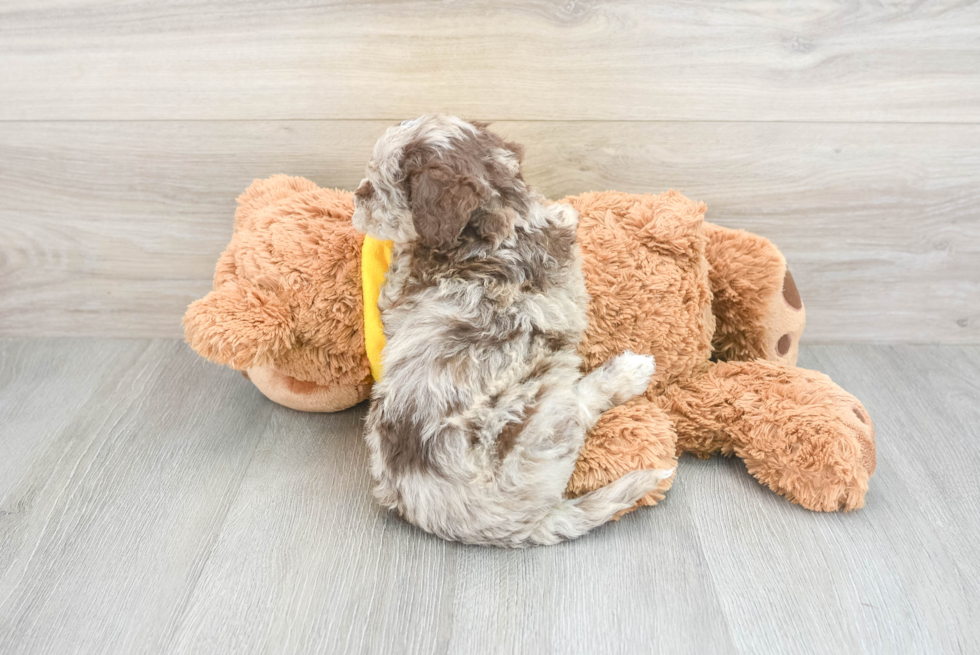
306 396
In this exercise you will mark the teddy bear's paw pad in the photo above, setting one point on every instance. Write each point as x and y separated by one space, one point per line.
790 293
783 323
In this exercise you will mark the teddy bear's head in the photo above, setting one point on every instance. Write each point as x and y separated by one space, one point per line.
287 305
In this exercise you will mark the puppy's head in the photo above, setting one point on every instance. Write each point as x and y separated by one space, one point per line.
430 177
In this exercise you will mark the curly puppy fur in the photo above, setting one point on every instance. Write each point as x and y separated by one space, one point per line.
476 426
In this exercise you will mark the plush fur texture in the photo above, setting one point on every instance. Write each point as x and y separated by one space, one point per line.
710 303
477 423
797 432
662 281
287 303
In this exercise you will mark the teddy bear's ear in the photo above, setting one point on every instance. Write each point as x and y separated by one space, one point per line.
239 326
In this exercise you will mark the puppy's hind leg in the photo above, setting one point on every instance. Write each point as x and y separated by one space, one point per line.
621 378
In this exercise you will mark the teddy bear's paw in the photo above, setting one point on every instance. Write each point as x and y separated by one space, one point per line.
825 456
783 322
758 309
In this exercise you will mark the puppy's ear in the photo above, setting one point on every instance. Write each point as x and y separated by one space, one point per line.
442 202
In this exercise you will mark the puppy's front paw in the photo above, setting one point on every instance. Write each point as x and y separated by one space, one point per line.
631 374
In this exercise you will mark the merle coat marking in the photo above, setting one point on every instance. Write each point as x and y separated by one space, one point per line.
476 426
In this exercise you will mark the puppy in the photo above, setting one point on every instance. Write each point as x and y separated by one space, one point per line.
478 421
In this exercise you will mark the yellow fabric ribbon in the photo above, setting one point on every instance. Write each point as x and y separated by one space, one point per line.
375 260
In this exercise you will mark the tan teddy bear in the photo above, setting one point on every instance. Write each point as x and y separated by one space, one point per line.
717 308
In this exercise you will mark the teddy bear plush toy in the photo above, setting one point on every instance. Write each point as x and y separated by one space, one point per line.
293 308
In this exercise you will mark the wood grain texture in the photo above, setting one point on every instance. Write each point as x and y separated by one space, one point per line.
111 514
518 60
895 576
310 525
166 507
111 229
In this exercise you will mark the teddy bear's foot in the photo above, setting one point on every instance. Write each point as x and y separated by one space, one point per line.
797 431
758 310
626 438
828 455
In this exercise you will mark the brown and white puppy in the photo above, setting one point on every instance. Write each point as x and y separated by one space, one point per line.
475 428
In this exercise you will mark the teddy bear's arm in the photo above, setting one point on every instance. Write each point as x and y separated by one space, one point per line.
797 431
758 311
238 325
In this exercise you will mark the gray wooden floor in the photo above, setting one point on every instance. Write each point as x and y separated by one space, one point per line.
153 503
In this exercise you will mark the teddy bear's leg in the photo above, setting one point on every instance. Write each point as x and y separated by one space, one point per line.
797 431
758 310
628 437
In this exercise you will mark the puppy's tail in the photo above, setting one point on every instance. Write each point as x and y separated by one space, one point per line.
576 516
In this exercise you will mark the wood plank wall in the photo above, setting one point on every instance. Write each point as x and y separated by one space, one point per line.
849 133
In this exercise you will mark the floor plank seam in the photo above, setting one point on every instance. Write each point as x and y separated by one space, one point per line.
181 615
